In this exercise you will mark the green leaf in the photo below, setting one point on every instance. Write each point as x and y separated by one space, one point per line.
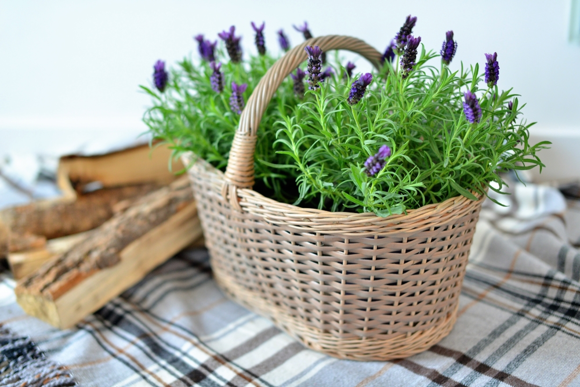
462 191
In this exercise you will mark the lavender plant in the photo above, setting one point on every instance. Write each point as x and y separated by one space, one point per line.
409 134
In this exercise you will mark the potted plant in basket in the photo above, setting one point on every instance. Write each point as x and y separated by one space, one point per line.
366 187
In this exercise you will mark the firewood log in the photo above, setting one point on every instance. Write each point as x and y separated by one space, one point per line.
114 257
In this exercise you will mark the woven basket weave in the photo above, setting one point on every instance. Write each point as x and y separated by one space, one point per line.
351 285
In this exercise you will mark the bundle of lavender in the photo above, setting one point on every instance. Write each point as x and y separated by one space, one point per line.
411 134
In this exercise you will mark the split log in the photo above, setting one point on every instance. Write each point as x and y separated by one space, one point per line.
25 262
61 217
140 164
117 255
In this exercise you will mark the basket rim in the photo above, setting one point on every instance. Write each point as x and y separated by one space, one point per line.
250 198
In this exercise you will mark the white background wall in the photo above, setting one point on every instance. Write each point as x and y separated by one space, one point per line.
70 70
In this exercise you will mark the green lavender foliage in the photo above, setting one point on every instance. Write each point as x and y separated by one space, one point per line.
190 116
311 152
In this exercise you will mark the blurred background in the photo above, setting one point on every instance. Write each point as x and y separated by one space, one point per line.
70 70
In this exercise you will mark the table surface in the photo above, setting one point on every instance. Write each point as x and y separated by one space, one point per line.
518 325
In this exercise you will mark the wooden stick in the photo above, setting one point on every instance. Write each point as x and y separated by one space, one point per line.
117 255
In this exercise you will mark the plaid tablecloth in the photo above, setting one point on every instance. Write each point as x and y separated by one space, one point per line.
518 322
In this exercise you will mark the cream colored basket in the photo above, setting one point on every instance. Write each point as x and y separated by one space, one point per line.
354 286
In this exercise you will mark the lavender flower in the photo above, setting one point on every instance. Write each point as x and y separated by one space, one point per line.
205 48
358 88
409 55
232 44
511 105
448 49
308 35
389 53
283 40
237 99
314 66
260 42
327 73
491 70
375 163
305 31
471 108
160 76
348 70
216 78
404 33
200 44
298 82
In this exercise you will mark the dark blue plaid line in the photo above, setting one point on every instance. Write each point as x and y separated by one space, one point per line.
517 273
526 316
540 341
116 356
512 341
175 284
189 269
200 343
562 254
139 310
146 341
576 268
497 332
516 294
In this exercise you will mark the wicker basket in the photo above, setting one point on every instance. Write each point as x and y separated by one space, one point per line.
354 286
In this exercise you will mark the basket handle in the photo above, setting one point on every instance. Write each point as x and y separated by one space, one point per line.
240 169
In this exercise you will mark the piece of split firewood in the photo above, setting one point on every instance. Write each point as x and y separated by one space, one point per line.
60 217
114 257
25 262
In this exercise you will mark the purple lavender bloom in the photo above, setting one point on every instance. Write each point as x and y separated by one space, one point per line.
348 70
283 40
375 163
305 31
232 44
358 88
511 105
389 54
308 35
471 108
314 66
404 33
491 70
200 44
216 78
409 55
449 48
160 76
298 82
327 73
260 42
205 48
209 50
237 98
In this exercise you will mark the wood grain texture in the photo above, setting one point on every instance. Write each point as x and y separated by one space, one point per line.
140 164
115 256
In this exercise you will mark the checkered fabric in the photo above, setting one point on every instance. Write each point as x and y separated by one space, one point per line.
518 325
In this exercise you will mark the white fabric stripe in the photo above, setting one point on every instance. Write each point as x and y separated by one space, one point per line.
7 296
228 328
296 365
264 351
243 333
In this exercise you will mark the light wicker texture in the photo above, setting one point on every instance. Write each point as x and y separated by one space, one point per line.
354 286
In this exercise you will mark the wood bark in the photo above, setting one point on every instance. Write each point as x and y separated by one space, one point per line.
61 217
155 226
